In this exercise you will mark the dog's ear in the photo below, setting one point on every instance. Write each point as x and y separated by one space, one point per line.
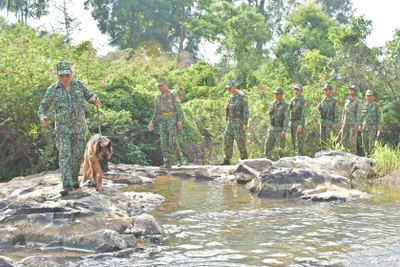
98 148
109 145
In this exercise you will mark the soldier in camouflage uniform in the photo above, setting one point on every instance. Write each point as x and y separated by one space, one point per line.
370 122
237 116
329 110
298 112
279 124
68 97
168 115
350 122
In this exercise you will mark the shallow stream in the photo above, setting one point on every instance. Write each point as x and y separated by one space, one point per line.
210 223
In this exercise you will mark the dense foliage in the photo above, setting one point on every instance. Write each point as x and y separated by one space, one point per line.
314 47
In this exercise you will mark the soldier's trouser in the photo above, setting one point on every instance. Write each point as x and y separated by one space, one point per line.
326 130
297 138
274 138
368 140
169 139
71 148
350 138
234 131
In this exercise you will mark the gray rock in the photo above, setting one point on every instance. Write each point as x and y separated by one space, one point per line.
6 262
249 169
146 224
292 177
101 241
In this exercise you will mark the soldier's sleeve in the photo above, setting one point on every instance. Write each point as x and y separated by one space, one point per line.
304 113
359 120
89 96
178 107
156 111
245 104
46 103
379 115
336 112
286 118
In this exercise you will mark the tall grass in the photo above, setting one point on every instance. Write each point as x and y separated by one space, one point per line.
387 159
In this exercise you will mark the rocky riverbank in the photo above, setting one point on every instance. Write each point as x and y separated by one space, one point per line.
114 222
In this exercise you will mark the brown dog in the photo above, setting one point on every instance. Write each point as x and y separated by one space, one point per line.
97 154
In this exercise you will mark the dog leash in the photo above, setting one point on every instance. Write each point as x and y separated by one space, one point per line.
98 119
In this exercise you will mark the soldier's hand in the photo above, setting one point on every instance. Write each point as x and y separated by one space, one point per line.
150 126
283 134
226 107
96 102
245 127
299 128
271 109
44 122
179 124
334 127
357 128
360 128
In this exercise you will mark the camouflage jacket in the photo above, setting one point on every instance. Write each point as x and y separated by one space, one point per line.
238 107
329 110
167 105
370 116
279 118
298 109
352 111
69 106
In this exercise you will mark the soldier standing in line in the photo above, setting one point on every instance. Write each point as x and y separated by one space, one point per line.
329 110
351 118
298 113
279 124
237 116
68 97
370 122
169 115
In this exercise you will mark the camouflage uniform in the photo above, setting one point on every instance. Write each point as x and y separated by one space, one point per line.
167 113
298 113
70 123
237 115
279 121
351 117
329 110
370 121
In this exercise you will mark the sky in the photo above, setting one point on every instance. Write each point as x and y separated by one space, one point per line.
383 13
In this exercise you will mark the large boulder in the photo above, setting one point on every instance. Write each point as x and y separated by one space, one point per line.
291 177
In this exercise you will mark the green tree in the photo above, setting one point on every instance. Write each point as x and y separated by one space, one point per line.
25 9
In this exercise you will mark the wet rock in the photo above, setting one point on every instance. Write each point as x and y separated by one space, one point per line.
6 262
202 173
101 241
331 193
148 229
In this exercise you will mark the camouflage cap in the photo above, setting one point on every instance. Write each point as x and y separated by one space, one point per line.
278 90
230 83
369 92
353 86
298 86
64 67
327 86
161 81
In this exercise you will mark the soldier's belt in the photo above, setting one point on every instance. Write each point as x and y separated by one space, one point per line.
166 114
